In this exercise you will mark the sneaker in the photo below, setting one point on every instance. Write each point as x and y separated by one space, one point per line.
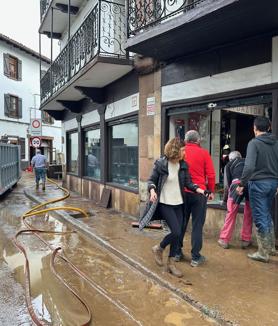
181 257
200 261
245 244
223 244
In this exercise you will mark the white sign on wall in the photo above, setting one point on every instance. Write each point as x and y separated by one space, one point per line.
36 127
151 106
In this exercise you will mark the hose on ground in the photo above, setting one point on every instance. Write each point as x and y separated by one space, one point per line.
56 253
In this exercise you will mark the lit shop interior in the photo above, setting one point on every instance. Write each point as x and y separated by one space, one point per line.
224 126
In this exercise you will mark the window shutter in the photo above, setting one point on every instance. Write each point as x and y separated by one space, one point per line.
6 64
19 69
19 108
7 105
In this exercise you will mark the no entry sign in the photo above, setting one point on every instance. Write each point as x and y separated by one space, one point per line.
35 142
36 127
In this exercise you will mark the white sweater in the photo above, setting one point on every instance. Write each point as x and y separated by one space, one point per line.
171 193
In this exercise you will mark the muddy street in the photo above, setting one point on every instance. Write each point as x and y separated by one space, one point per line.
115 292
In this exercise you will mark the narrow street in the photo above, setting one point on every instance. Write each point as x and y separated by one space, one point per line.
116 295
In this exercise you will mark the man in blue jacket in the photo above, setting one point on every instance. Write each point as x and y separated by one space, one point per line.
39 163
260 173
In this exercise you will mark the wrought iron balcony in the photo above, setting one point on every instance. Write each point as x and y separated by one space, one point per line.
102 33
44 6
145 13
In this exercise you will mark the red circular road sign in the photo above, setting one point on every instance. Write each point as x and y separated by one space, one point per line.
36 124
36 142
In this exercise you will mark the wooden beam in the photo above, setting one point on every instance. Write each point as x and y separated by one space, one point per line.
56 36
64 8
73 106
96 94
57 115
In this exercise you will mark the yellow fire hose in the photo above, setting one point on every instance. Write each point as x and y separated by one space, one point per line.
55 252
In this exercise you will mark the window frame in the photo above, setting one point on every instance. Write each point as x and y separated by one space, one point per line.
8 104
47 118
68 152
11 60
120 120
96 126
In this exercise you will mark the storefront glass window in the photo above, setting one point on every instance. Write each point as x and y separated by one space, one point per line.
124 154
73 153
92 154
225 128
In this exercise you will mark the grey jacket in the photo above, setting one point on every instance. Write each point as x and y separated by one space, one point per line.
261 160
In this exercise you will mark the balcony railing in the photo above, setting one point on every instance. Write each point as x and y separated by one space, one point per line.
44 6
103 33
146 13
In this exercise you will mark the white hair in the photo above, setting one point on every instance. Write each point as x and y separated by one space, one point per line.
192 136
233 155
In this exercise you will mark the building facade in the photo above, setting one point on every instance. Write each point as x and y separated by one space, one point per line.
20 101
209 65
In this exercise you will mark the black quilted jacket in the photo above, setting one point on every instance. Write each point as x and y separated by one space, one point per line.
157 180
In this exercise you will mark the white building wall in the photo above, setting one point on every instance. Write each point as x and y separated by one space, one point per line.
126 105
224 82
28 89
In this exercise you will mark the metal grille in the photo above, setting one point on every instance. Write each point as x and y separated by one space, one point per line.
146 13
44 7
103 33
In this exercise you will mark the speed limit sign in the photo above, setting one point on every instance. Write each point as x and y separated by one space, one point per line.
35 142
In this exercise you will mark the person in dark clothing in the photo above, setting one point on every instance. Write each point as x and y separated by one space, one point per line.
260 174
232 174
202 172
166 186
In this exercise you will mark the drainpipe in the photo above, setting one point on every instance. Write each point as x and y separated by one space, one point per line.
51 54
69 47
40 51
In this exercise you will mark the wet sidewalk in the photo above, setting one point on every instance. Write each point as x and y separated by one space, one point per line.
229 287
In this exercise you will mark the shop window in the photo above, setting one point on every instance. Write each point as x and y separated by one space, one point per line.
72 152
13 106
92 153
123 167
12 67
225 127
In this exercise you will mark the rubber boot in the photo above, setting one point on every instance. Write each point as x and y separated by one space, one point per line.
171 268
37 185
158 255
263 241
272 251
43 186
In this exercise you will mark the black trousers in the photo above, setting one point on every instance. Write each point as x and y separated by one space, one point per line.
173 215
196 204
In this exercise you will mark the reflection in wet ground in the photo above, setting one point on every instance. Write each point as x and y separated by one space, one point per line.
117 295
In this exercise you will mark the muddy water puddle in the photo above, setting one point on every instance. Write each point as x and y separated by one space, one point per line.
116 293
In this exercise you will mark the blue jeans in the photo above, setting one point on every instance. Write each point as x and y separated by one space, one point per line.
40 174
261 194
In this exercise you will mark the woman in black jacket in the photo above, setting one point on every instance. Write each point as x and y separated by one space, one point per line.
166 187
